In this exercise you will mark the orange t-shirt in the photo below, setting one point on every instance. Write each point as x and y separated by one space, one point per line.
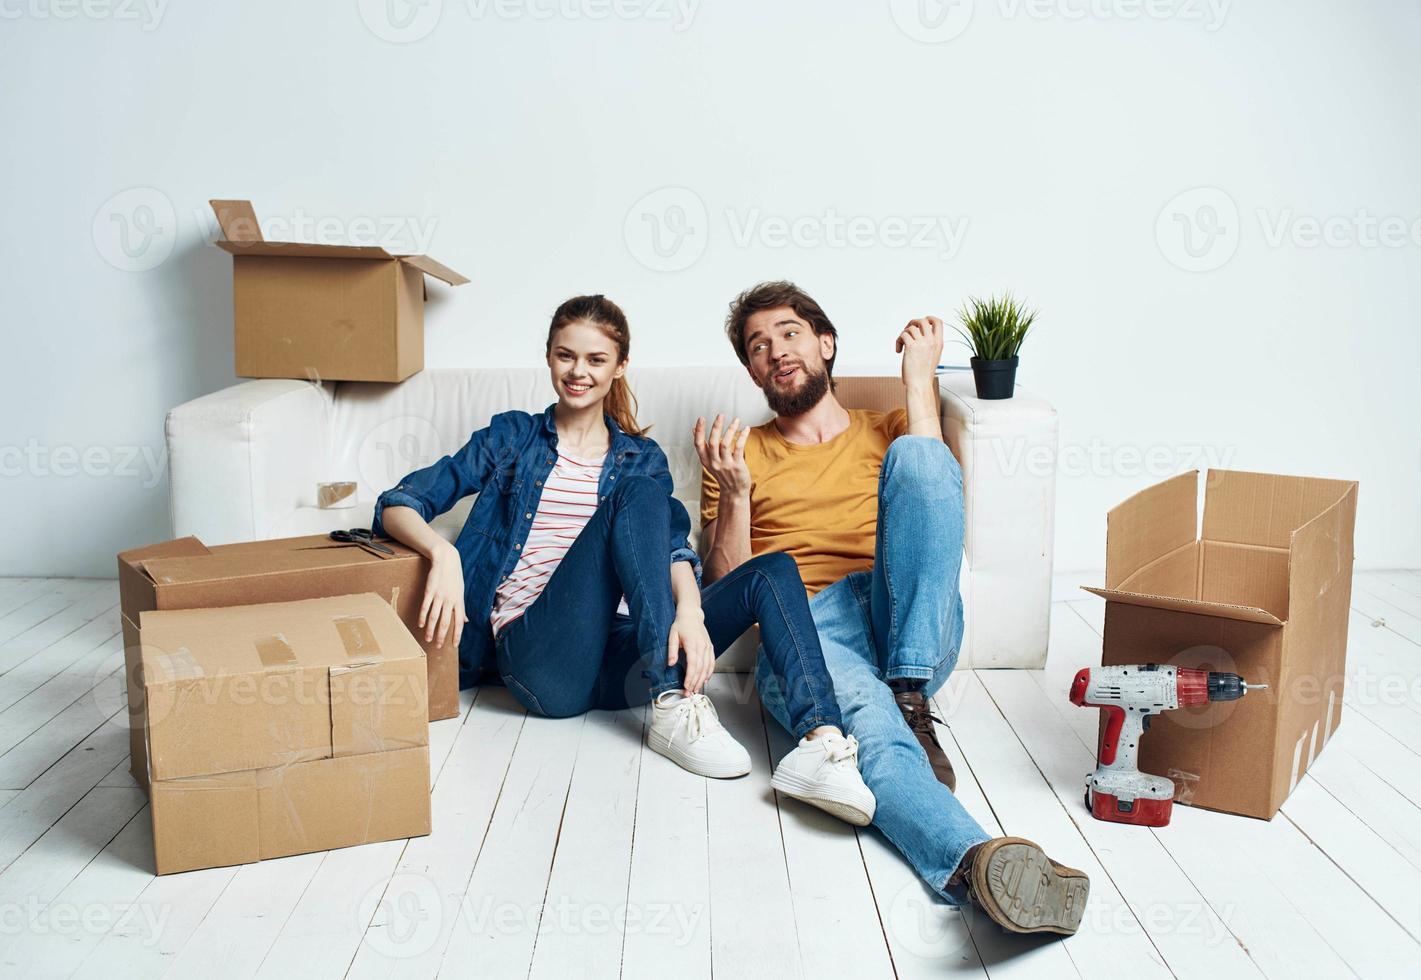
818 503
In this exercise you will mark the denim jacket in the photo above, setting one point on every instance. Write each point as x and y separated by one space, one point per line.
506 464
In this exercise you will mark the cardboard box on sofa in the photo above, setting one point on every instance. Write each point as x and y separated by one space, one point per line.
326 312
1263 591
282 728
186 574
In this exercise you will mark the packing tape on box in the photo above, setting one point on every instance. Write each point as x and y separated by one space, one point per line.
356 635
274 651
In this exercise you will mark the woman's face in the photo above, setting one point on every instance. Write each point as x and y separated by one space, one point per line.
583 361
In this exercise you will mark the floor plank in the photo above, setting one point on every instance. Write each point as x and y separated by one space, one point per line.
670 874
500 911
586 914
829 886
753 928
417 914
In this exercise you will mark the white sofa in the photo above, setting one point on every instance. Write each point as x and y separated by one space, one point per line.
244 463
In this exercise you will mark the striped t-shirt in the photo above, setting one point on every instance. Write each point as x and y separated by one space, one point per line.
568 502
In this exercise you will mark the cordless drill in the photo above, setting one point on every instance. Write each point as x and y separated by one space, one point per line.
1130 696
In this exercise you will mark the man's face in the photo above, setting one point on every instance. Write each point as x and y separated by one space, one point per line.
788 361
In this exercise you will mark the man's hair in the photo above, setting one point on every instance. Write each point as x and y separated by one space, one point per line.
772 296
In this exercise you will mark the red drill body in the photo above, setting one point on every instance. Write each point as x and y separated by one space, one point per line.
1130 696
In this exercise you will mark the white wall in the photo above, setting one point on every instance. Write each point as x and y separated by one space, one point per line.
1052 137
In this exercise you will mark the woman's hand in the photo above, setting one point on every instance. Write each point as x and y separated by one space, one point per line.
688 633
723 455
443 606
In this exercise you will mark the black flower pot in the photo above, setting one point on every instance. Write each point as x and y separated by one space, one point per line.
995 379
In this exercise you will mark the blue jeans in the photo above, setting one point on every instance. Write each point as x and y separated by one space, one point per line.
570 651
903 619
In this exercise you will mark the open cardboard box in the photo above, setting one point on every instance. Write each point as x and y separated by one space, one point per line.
186 574
282 728
324 312
1264 591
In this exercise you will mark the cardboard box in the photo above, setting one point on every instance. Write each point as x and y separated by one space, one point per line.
282 728
325 312
186 574
1262 591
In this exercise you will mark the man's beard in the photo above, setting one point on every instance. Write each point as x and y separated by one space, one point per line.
801 399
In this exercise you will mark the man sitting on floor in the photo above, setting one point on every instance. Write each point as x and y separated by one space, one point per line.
869 505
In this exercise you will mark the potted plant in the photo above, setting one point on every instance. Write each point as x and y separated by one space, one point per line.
993 329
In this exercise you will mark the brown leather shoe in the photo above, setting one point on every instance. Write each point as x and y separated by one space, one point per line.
919 716
1022 890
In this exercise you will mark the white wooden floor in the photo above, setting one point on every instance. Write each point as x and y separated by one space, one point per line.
561 848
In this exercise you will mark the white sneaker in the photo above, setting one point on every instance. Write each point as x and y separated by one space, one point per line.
688 732
824 772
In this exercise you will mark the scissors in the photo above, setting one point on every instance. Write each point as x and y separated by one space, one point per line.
361 537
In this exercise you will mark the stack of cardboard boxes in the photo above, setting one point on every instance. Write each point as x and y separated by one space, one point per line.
282 728
203 625
279 692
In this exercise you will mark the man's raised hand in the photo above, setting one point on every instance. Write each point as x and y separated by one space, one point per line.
722 453
920 343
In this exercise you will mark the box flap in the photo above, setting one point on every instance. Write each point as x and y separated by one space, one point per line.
436 269
305 250
135 585
1150 526
238 220
1224 610
184 547
1320 562
1263 508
